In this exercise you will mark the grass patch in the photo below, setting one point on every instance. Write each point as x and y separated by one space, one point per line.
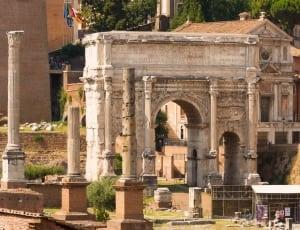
154 214
33 172
50 211
174 186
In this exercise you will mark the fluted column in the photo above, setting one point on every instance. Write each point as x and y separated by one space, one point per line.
108 156
149 176
73 141
251 156
13 158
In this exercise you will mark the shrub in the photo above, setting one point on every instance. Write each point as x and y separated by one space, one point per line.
33 172
101 196
118 164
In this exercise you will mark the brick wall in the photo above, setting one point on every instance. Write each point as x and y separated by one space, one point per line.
21 200
53 148
51 193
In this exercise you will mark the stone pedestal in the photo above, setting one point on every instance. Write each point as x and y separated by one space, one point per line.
252 179
13 169
129 207
163 198
194 202
74 201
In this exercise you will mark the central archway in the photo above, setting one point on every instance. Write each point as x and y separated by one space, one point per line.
230 158
191 133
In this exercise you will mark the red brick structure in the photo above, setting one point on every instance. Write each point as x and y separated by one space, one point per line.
74 201
29 16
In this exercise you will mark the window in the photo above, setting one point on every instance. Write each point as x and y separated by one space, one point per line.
284 53
181 133
265 103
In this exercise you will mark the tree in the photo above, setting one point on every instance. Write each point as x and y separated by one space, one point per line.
104 15
258 6
138 12
287 13
192 11
109 15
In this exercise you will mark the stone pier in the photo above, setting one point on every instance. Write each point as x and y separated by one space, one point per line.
74 201
129 192
13 157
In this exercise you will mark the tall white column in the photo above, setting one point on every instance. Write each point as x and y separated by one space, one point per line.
13 158
149 176
251 156
108 156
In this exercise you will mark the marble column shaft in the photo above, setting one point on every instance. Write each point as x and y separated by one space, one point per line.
73 141
14 42
108 156
128 126
213 119
13 157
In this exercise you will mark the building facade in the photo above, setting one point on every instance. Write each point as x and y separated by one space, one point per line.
234 81
29 16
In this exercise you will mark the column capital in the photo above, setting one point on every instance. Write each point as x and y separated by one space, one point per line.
14 38
213 90
108 84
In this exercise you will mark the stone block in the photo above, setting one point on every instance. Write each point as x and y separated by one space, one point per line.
163 198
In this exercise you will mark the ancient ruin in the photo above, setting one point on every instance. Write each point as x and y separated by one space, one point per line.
74 201
129 191
233 80
13 157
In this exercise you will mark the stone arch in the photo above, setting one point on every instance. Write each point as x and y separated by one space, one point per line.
230 154
188 103
197 144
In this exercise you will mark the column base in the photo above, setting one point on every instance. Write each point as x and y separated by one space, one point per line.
129 224
13 169
62 215
74 201
150 181
252 179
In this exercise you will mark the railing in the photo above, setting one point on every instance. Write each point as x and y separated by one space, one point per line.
174 142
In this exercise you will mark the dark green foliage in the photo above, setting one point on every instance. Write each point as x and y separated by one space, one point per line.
62 100
33 172
110 15
101 196
72 50
161 130
192 11
38 139
118 164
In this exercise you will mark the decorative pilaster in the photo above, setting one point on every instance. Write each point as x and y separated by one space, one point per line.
275 101
251 155
13 157
149 177
213 177
108 156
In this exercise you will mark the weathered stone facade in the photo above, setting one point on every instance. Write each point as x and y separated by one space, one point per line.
30 17
217 79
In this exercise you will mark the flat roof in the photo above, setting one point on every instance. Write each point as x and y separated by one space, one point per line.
276 189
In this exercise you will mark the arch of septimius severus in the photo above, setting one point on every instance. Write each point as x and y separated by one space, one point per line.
215 78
